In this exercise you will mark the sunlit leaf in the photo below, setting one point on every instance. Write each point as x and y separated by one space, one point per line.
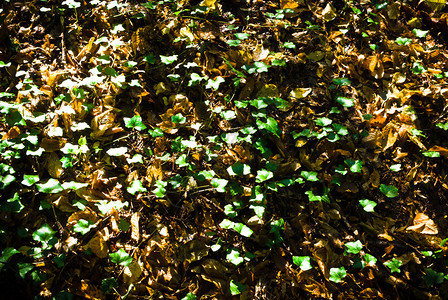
234 257
346 102
121 257
105 205
403 41
219 184
389 190
417 68
323 121
238 169
117 151
136 187
395 167
243 229
337 274
354 166
263 175
420 33
309 175
134 122
394 265
52 186
368 205
303 262
83 226
236 288
353 247
168 59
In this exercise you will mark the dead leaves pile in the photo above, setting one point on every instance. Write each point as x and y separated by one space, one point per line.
219 70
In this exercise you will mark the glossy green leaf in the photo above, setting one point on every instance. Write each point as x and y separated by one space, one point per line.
168 59
83 226
337 274
303 262
353 247
394 265
309 175
263 175
368 205
342 81
389 190
121 257
52 186
136 187
238 169
344 101
236 288
134 122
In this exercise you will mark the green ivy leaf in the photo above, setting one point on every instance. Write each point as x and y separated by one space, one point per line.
270 125
117 151
342 81
389 190
190 296
395 168
289 45
337 274
369 259
105 206
44 235
73 185
6 255
178 119
234 257
168 59
238 169
303 262
219 184
52 186
344 101
323 121
355 166
309 175
403 41
432 277
160 189
241 36
420 33
394 265
353 247
156 132
214 84
442 126
134 122
368 205
83 226
233 43
108 285
431 153
121 257
243 229
263 175
12 204
236 288
417 68
136 186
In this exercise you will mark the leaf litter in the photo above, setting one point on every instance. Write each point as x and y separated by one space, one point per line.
210 149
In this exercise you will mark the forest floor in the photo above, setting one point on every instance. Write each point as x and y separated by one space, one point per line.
223 149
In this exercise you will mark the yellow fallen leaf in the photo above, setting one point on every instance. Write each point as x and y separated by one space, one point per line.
98 245
54 165
328 13
132 272
300 93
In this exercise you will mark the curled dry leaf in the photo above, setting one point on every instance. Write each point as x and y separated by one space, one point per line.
424 225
